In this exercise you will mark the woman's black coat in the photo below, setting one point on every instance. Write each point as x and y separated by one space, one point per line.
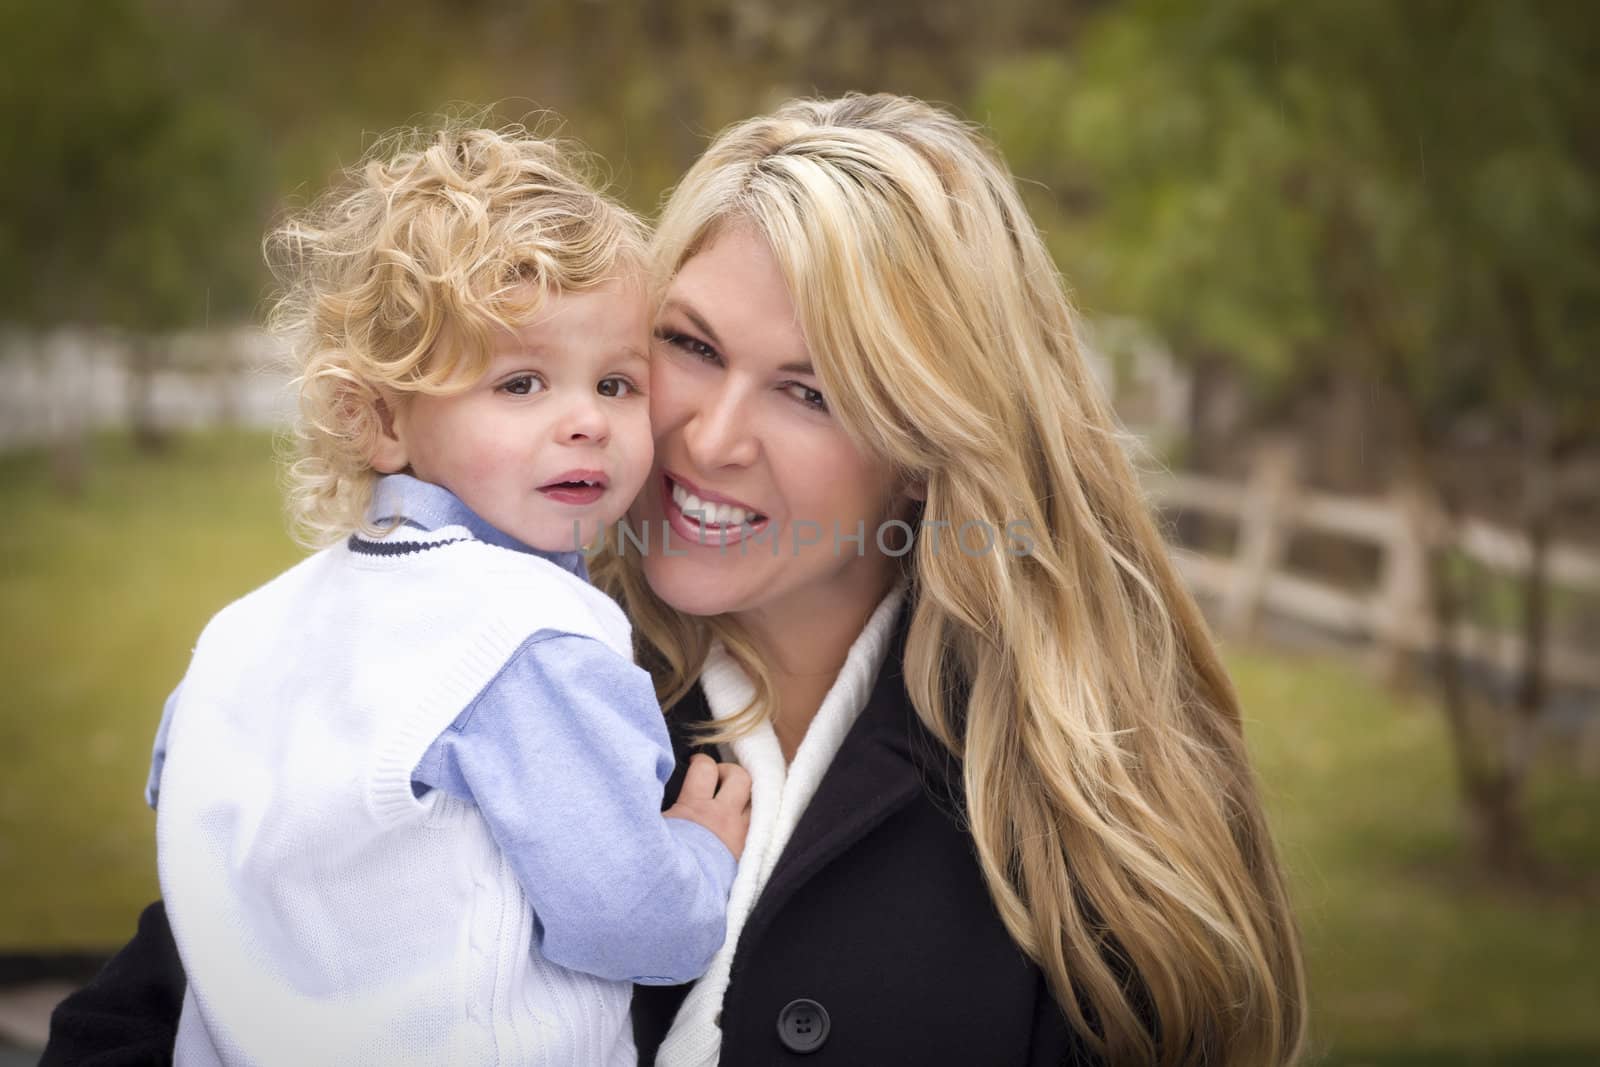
874 941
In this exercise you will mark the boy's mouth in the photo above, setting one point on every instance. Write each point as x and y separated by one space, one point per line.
576 487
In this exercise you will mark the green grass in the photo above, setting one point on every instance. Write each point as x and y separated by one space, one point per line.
101 599
1413 956
1413 959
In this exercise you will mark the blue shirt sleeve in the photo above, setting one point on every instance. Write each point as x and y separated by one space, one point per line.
566 754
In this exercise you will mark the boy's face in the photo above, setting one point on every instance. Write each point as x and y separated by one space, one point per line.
563 403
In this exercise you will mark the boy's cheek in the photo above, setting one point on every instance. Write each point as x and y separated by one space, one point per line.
489 459
641 443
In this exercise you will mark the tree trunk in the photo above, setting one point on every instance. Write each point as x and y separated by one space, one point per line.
1491 791
1532 691
1444 600
1538 521
1499 828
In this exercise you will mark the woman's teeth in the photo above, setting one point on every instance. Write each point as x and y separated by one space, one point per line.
710 514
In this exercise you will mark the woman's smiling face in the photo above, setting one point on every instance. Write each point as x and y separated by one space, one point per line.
744 437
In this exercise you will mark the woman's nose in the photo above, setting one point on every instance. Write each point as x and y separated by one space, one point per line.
719 433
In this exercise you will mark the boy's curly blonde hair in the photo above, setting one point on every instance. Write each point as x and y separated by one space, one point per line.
396 280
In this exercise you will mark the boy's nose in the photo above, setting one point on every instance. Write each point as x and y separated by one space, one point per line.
584 421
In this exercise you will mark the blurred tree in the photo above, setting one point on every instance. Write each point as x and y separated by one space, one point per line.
1392 199
647 86
133 195
157 134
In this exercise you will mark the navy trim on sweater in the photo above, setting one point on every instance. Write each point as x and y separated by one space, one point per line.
397 548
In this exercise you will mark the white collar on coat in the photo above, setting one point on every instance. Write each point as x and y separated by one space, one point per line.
779 795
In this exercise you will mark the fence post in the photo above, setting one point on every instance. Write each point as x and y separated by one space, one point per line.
68 362
228 369
1262 533
1403 620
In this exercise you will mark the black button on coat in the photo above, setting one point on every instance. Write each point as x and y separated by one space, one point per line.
803 1026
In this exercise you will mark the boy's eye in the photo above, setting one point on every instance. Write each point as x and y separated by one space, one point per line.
521 385
616 387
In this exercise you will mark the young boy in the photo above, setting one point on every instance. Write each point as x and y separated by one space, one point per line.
409 792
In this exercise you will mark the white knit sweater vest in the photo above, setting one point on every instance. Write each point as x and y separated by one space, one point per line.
779 795
324 914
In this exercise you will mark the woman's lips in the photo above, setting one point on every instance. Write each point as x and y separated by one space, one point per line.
709 534
679 482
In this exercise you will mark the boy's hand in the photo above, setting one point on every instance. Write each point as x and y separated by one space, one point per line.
717 796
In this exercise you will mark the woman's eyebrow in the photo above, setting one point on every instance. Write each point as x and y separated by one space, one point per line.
796 367
694 316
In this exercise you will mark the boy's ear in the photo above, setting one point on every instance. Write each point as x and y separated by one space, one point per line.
388 452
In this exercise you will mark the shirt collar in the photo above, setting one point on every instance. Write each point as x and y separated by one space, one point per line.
412 500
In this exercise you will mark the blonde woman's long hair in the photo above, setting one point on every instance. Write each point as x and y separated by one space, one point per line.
1116 817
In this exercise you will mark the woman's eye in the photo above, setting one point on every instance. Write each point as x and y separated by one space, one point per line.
808 396
616 387
521 385
692 345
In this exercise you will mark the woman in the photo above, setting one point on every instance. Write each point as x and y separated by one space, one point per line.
1002 809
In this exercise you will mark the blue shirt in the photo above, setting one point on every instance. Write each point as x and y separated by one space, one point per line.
563 734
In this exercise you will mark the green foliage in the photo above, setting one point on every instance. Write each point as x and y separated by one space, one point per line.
1171 223
1412 955
132 194
1408 949
1402 191
150 142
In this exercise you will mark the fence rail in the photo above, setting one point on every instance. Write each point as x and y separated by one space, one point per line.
1270 507
57 386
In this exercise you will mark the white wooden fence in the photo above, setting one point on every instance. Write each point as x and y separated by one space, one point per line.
60 385
1270 507
63 384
